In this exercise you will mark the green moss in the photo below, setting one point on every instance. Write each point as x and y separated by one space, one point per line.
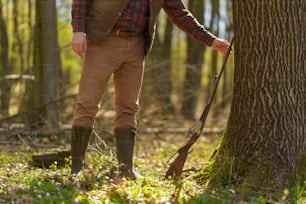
244 191
302 170
223 168
226 171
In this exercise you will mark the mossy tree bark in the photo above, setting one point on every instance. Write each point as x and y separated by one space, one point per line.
265 141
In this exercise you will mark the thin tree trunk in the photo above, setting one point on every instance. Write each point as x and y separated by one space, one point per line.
29 57
45 66
17 43
214 26
162 74
228 74
194 63
157 81
5 87
27 98
52 62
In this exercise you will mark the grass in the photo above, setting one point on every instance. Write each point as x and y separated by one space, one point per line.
21 183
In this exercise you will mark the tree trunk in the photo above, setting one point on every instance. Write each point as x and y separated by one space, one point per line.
194 63
17 45
228 73
265 141
46 66
157 80
30 26
4 83
214 26
162 52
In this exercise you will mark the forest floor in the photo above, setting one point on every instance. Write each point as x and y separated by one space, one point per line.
22 183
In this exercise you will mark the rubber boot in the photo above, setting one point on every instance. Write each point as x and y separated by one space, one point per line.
125 139
79 142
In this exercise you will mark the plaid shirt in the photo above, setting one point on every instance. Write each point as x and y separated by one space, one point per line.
135 18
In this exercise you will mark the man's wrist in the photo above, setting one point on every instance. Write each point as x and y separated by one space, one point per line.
78 25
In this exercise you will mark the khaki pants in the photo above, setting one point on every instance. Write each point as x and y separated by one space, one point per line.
123 57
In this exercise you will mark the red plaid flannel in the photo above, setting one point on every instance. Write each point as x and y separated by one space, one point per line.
78 13
135 18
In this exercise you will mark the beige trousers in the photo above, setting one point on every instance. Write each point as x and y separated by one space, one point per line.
123 57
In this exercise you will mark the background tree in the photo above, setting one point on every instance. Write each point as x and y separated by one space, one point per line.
4 50
159 66
215 27
265 141
228 73
194 65
46 67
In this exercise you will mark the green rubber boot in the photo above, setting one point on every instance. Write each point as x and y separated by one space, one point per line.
79 142
125 139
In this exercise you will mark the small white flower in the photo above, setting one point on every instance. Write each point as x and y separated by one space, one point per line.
232 191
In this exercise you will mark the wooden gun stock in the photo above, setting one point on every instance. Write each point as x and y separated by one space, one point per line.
176 168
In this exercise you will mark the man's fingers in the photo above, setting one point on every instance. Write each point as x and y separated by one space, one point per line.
226 48
78 48
85 46
223 49
221 46
79 43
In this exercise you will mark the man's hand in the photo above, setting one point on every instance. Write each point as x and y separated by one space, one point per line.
221 46
79 43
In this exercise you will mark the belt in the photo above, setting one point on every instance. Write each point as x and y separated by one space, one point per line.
124 34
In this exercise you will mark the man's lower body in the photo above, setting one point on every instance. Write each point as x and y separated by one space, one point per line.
123 57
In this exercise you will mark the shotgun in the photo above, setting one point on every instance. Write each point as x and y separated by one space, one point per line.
176 167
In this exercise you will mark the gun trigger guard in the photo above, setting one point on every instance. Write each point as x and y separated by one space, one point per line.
172 157
191 132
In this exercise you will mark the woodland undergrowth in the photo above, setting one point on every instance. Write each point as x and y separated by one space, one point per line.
20 182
